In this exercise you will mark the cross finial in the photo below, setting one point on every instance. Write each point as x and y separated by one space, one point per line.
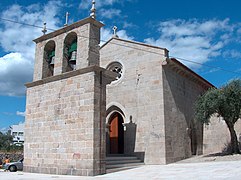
66 19
93 10
114 32
44 28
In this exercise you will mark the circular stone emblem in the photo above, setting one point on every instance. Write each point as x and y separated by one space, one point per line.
117 68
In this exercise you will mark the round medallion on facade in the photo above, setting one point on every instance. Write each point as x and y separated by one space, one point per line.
117 68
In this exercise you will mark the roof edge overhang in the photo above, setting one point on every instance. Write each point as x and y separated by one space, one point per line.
69 28
183 70
133 42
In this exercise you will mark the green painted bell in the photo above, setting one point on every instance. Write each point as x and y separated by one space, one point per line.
73 47
51 54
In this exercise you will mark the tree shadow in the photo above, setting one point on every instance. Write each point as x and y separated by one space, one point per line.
226 151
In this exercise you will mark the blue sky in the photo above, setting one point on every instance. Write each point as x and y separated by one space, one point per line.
204 32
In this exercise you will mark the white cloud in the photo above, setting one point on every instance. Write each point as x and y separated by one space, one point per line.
239 30
109 13
232 54
193 40
8 113
19 113
4 129
123 35
85 4
129 25
106 34
104 7
16 41
14 73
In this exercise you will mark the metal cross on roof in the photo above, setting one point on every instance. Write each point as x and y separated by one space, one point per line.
115 31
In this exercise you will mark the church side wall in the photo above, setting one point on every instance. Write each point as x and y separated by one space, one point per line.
62 127
139 95
216 135
182 135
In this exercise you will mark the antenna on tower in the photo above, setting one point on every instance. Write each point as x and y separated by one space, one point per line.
66 19
93 10
44 28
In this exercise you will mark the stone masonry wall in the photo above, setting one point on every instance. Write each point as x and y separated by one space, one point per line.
217 136
64 125
182 134
139 96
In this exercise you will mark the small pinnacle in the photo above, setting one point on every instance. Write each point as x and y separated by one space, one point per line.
93 10
66 19
44 28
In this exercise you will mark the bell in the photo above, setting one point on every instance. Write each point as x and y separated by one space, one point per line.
73 57
52 61
72 61
73 66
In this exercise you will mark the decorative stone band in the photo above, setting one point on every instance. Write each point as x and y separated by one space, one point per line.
108 75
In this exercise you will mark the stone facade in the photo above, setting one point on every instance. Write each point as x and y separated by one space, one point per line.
64 124
65 111
74 120
157 95
139 96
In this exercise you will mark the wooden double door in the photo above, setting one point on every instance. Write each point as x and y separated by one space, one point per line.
116 134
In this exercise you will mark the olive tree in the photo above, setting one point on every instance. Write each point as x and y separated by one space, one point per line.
224 102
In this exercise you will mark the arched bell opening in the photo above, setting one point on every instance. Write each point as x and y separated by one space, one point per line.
70 52
48 59
115 136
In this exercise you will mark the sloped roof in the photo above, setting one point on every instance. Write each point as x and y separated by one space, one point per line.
133 42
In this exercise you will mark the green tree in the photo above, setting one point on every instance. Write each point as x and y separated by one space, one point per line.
224 102
5 141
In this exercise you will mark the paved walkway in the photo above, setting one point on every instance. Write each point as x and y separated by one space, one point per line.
206 170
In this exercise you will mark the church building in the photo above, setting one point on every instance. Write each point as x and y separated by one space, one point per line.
88 103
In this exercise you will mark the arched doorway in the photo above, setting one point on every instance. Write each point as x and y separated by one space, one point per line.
116 134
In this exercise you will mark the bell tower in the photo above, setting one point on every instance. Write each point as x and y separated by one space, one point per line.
71 48
66 102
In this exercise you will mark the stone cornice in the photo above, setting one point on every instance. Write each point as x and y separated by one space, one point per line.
184 71
68 28
109 75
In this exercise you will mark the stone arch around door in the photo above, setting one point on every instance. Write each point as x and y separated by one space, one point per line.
115 136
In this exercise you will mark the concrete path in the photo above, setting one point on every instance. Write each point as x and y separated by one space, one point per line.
198 171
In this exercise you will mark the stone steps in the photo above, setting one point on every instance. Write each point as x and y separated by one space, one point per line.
117 162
